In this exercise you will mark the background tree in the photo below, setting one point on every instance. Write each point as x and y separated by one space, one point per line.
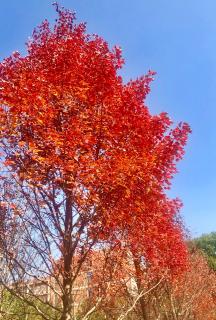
207 243
188 296
86 163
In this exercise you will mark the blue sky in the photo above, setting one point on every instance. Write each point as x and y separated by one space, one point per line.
177 39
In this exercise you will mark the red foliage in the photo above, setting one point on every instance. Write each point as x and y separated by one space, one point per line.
68 120
194 291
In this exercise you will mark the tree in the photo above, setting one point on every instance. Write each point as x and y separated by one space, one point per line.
86 163
12 308
188 296
207 243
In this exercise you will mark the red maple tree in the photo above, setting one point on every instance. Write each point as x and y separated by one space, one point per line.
88 160
188 296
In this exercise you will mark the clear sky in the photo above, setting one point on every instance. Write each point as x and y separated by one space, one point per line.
177 39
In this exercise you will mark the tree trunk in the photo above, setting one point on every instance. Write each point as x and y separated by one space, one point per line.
142 303
67 297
